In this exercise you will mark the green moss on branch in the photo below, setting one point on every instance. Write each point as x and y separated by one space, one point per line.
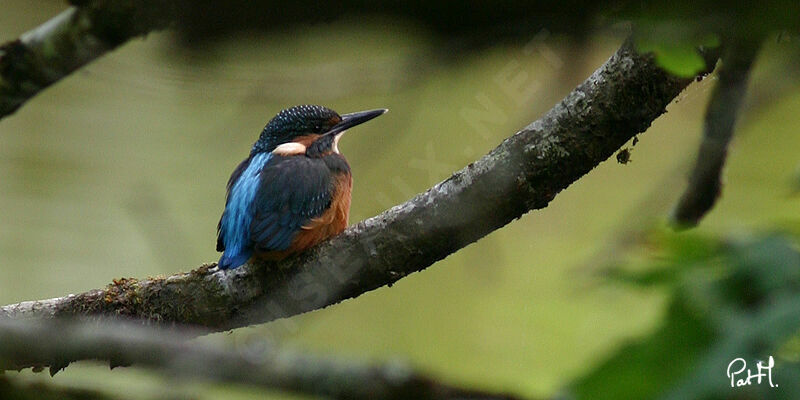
525 172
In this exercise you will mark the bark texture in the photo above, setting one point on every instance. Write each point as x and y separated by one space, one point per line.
525 172
71 40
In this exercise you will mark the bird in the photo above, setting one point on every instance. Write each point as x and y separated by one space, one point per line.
293 190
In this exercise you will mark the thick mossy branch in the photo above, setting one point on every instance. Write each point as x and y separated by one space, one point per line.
71 40
58 342
524 172
705 183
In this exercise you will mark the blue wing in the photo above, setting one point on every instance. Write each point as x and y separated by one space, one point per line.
269 198
293 191
234 177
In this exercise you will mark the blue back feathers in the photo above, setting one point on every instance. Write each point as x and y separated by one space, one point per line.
271 197
235 223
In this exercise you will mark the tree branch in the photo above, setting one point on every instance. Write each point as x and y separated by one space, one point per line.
705 183
9 389
525 172
71 40
58 342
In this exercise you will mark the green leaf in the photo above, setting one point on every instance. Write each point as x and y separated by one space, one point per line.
680 59
645 369
743 302
676 47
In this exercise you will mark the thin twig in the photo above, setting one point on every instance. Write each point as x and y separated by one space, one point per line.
525 172
705 183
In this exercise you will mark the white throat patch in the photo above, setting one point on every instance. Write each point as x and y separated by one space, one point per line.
336 141
290 149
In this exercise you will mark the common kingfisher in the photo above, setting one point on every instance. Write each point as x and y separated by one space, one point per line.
293 191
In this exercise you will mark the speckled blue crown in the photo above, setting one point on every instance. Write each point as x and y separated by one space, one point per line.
295 121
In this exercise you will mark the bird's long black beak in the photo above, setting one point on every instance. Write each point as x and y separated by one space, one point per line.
353 119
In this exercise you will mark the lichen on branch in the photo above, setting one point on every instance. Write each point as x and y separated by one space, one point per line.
71 40
525 172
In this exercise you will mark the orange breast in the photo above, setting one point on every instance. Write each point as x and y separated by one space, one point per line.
331 223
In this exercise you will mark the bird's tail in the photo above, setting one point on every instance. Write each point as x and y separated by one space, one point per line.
231 261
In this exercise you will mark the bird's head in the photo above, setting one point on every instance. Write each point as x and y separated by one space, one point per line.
308 129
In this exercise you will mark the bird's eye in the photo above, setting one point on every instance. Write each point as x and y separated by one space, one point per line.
317 128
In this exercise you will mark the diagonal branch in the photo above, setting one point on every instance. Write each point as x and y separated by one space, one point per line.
705 183
72 39
524 172
57 342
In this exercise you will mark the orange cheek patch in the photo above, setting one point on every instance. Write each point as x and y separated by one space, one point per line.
306 140
297 146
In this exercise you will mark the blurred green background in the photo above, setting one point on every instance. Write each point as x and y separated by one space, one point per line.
120 171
